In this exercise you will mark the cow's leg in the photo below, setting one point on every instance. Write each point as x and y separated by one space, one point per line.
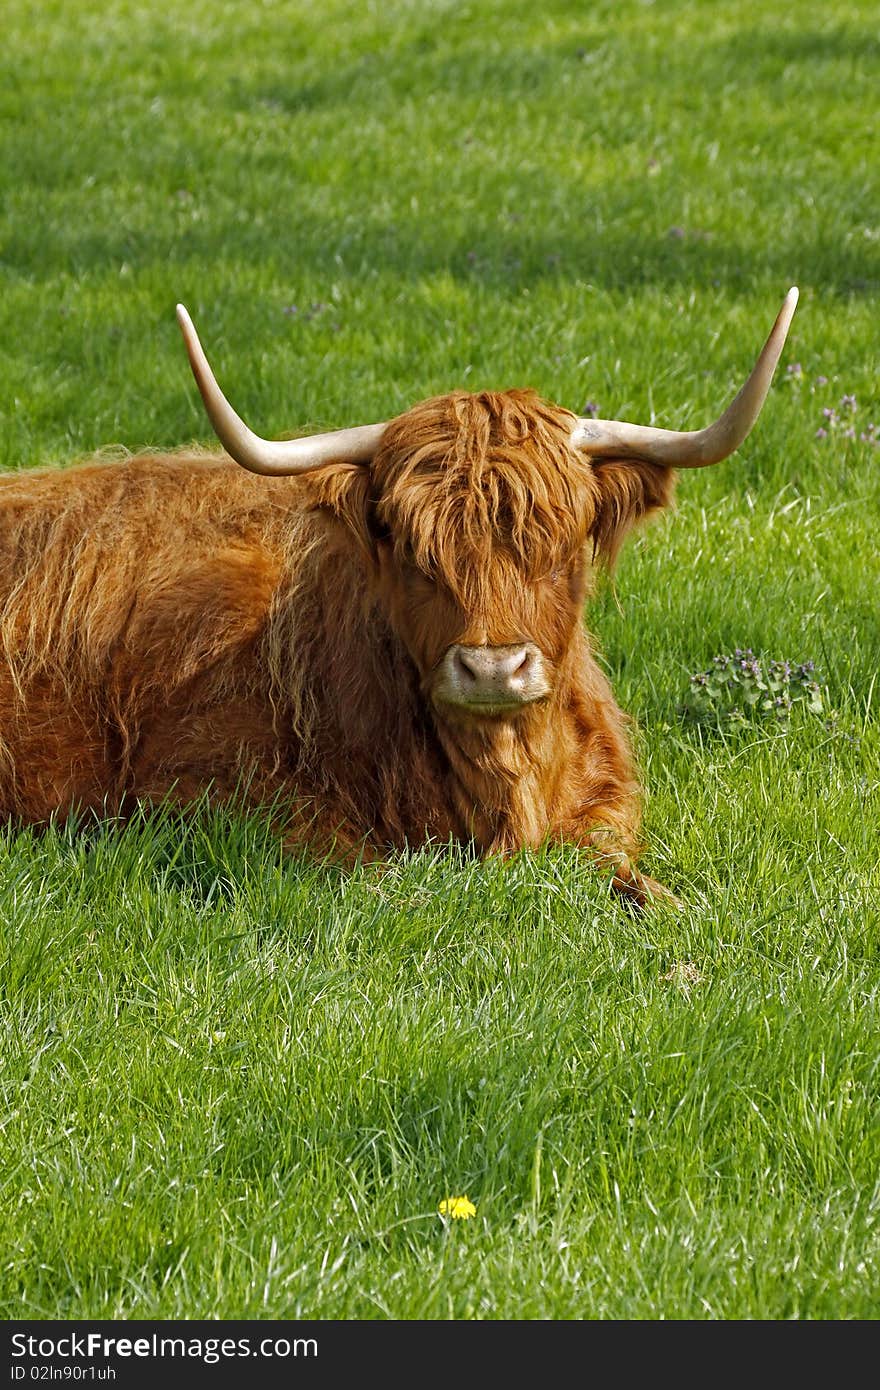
612 846
639 890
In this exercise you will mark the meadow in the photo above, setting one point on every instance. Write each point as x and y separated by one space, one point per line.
238 1085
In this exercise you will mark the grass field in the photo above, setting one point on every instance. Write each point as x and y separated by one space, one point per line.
234 1086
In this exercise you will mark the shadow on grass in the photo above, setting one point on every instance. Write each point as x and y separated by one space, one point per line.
760 52
600 241
606 229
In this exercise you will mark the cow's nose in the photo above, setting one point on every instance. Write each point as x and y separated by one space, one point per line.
487 677
492 668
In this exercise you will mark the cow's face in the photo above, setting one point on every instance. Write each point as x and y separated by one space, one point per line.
492 645
485 523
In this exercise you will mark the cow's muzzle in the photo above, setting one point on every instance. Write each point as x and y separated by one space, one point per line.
491 679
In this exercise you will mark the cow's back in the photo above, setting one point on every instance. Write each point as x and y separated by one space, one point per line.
133 595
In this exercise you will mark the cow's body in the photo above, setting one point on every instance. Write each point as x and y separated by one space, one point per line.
172 625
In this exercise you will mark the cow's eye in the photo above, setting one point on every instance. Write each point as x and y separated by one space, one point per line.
412 571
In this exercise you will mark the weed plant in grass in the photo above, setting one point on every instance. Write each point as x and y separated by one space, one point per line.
238 1085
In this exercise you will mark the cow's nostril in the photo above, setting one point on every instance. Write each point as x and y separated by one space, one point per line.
522 665
466 670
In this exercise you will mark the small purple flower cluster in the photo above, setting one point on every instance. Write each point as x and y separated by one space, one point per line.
841 420
293 310
739 684
837 420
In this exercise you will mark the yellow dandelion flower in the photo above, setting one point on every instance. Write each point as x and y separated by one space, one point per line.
459 1208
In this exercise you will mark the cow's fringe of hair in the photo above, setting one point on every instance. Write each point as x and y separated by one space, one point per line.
463 476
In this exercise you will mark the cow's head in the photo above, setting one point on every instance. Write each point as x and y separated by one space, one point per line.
483 513
485 521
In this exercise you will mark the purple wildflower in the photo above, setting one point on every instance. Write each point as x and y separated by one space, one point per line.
591 410
794 369
821 381
829 413
821 434
848 402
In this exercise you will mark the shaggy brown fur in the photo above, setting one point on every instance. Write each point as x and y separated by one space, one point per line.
172 624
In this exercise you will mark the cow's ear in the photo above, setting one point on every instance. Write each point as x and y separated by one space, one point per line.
627 494
346 491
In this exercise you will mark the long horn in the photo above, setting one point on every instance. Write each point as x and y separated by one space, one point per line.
278 457
693 448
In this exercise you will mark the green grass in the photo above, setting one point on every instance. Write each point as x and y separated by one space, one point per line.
238 1086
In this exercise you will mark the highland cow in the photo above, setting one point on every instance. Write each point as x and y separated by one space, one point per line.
384 639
